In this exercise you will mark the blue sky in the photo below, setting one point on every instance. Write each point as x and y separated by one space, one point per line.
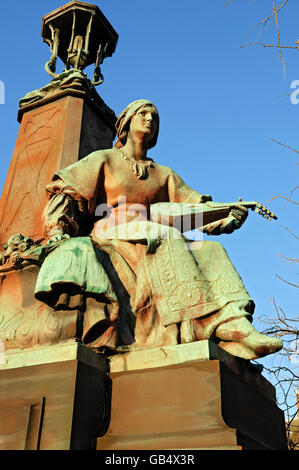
219 106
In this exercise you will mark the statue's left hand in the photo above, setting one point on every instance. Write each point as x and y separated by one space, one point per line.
238 215
235 219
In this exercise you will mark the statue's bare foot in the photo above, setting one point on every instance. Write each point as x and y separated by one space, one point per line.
238 349
242 331
262 344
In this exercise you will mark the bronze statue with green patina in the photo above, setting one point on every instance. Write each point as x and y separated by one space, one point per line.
134 279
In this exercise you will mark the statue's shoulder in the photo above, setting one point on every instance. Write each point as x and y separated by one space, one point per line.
98 156
165 170
91 164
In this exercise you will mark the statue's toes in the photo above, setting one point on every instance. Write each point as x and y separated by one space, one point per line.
263 345
238 349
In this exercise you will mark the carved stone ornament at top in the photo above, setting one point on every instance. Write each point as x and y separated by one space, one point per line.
70 80
80 35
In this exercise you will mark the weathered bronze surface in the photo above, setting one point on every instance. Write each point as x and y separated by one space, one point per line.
135 281
92 264
128 283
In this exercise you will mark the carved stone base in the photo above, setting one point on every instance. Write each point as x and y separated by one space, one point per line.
191 396
24 321
53 398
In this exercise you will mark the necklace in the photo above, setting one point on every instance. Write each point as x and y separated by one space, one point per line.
139 168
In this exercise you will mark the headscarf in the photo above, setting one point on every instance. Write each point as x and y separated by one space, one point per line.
122 123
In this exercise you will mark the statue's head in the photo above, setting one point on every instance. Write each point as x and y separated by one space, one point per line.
124 121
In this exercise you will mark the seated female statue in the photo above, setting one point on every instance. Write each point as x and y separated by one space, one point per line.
141 287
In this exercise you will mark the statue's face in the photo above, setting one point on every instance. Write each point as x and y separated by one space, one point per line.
144 123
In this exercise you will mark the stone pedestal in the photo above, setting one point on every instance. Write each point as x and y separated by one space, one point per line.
191 396
54 398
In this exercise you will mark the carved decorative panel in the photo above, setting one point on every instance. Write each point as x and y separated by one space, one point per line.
48 140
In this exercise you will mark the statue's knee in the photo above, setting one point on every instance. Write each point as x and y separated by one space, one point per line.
214 247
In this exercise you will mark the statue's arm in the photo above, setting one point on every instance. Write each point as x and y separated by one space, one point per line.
72 197
63 212
179 191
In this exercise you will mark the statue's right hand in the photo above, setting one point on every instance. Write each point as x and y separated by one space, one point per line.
57 238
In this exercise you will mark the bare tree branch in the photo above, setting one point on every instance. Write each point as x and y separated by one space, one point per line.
268 45
263 23
285 379
293 190
278 35
286 228
283 197
286 146
291 260
226 4
287 282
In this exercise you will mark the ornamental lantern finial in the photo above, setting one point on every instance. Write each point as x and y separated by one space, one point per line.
80 35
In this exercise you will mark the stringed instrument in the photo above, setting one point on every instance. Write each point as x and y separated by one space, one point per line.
187 217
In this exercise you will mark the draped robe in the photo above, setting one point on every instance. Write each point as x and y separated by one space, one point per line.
151 286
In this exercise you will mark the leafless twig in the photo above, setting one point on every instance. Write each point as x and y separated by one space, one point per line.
268 45
284 197
293 190
288 230
291 260
287 282
226 4
284 145
272 16
278 34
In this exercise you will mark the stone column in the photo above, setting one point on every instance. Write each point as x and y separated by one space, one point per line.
57 129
